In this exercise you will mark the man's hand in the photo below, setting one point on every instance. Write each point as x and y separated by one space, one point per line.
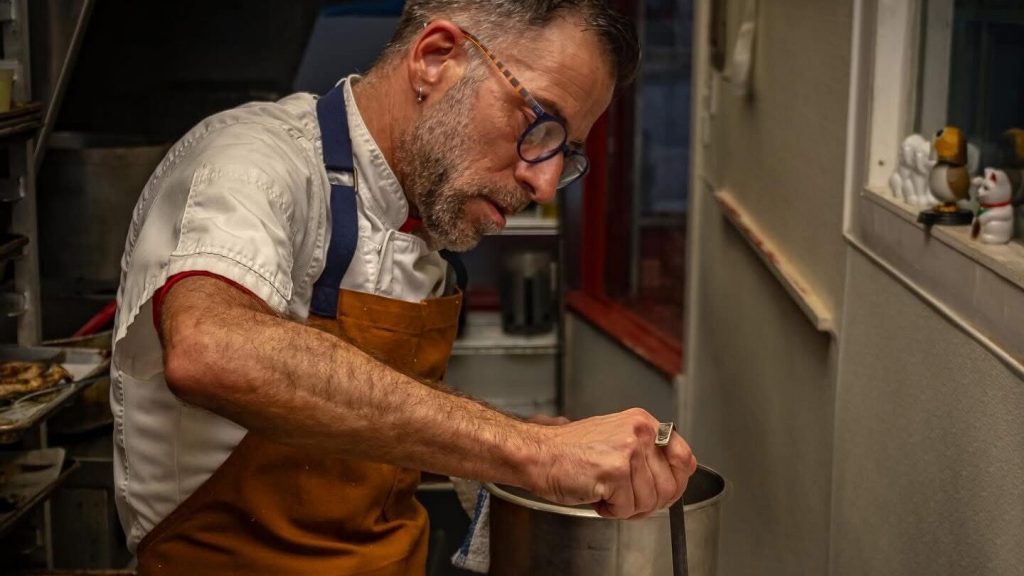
612 462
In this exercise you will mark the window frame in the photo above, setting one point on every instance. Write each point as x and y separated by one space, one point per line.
613 251
977 287
901 73
591 301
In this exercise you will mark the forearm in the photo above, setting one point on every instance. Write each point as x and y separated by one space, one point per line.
301 386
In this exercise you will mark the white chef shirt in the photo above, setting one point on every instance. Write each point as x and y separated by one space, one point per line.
243 195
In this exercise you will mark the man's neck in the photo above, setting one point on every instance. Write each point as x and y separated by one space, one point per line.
383 112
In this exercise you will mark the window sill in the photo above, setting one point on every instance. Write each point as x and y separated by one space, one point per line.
1006 260
977 287
635 334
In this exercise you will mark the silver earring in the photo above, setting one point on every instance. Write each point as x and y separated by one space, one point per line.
419 97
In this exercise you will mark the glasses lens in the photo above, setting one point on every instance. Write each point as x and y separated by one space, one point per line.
576 165
542 141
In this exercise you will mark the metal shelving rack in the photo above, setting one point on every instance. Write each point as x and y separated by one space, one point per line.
515 373
20 299
19 186
486 337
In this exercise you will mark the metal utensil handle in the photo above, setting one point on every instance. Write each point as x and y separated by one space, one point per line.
677 528
676 515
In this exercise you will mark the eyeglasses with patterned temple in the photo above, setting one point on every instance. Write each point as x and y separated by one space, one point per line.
545 137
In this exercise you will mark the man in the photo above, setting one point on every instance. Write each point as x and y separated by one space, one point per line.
285 318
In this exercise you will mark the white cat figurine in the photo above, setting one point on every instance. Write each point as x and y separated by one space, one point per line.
909 182
995 216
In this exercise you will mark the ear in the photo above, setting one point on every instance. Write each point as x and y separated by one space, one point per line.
437 60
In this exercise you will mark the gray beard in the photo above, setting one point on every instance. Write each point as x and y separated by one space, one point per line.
433 157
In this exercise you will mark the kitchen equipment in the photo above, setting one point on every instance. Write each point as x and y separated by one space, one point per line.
88 187
26 479
87 190
676 513
527 293
530 535
677 531
85 365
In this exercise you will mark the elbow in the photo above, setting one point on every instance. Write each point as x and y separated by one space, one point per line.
186 351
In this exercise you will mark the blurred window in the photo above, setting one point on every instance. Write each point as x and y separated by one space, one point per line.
638 196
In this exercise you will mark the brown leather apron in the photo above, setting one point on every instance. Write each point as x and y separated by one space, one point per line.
275 509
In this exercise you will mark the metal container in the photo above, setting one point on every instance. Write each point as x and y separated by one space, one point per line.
527 293
87 190
530 535
88 187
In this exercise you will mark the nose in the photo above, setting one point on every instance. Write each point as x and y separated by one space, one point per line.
541 178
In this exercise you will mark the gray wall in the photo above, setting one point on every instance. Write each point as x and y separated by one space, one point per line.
762 410
603 377
929 442
760 400
781 153
893 447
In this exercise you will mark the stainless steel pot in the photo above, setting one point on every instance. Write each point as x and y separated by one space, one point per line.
530 535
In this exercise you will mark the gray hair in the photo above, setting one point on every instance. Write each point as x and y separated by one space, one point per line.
497 20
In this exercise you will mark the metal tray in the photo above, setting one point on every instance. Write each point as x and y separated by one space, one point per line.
27 479
86 367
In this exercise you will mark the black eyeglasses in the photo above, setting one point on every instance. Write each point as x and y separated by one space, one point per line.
545 137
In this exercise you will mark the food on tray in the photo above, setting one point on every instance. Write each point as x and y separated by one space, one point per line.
19 378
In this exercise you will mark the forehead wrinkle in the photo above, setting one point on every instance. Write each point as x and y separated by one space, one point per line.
562 63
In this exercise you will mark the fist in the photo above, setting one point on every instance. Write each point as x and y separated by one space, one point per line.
613 463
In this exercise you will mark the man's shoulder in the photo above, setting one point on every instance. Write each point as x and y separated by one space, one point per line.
278 138
292 118
296 111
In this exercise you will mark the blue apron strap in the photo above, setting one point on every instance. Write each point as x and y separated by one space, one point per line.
337 145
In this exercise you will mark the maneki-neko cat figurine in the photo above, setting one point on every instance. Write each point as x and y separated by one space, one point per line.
994 224
949 180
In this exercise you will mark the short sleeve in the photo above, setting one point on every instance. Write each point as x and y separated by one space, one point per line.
237 224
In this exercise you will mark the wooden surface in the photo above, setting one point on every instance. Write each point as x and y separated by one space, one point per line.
778 263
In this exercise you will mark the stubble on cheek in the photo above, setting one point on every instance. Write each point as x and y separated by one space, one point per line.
440 173
434 156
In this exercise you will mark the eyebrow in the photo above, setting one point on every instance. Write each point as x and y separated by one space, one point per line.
552 108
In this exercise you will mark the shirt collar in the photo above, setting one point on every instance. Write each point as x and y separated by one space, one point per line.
379 188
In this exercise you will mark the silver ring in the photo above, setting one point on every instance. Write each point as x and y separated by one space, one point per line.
664 433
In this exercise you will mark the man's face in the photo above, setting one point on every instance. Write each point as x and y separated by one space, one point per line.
460 159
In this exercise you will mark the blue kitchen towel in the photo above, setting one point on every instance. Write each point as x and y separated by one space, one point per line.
475 553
